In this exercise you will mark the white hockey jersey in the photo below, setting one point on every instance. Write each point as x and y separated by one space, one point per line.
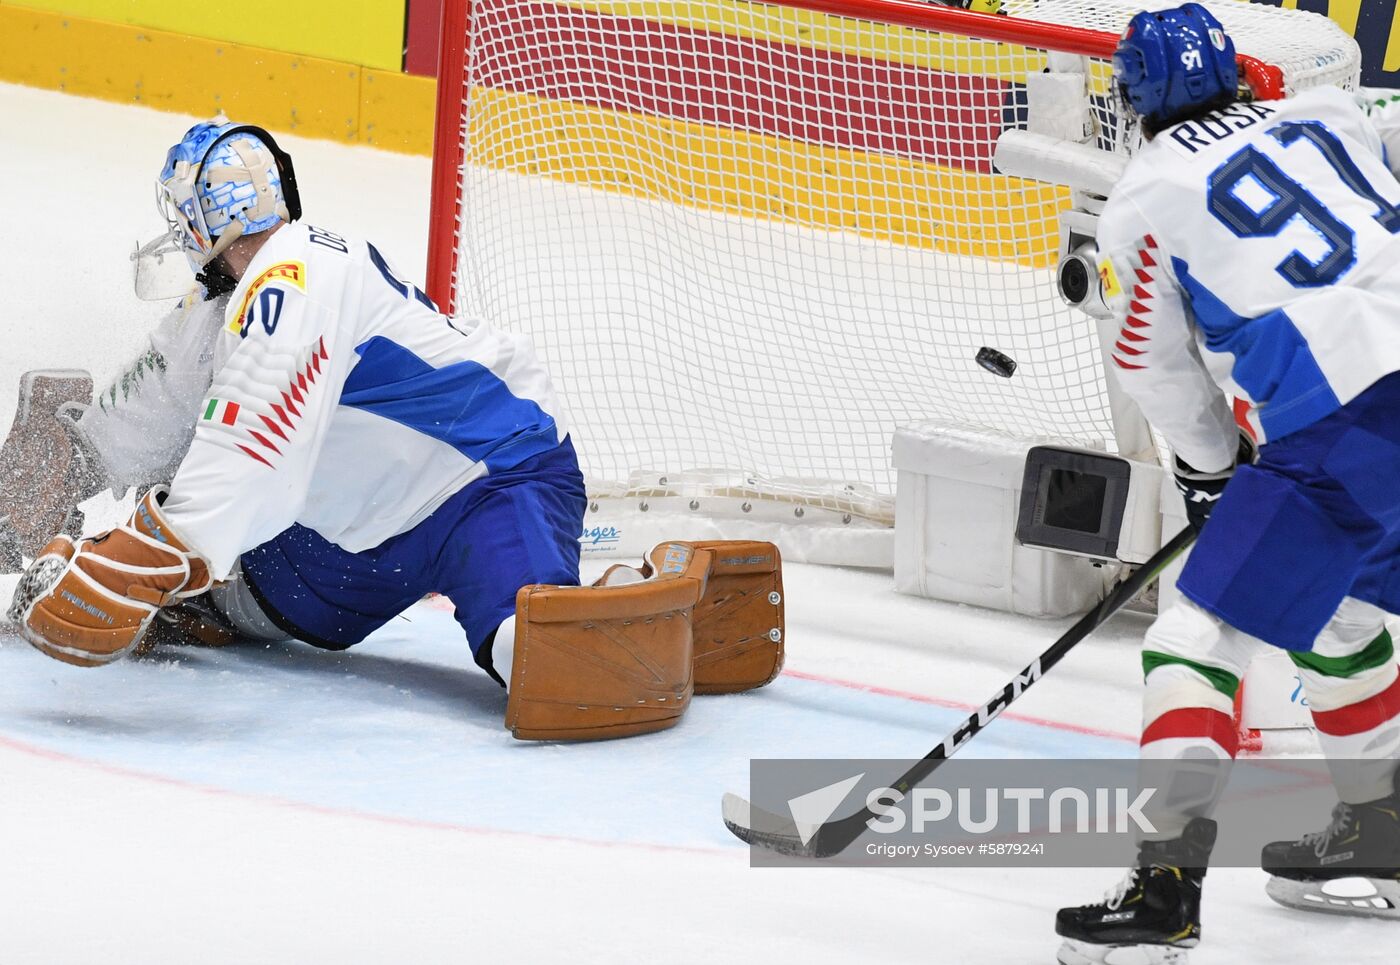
142 423
342 400
1255 252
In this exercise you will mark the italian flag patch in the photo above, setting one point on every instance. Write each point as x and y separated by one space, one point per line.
221 410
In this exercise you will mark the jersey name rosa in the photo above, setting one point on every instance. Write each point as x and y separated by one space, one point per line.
1189 138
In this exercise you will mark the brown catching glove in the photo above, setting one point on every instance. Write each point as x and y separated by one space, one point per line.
89 602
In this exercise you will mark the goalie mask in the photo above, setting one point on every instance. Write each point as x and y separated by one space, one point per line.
221 182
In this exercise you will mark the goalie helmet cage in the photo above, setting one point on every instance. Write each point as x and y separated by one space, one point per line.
750 240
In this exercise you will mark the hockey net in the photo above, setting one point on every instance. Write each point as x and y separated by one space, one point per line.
751 239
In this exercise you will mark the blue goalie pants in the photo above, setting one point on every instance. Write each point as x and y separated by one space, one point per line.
1317 519
497 534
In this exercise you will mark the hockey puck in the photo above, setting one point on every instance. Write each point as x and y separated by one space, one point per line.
997 363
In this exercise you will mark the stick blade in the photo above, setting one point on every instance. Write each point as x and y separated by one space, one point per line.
766 830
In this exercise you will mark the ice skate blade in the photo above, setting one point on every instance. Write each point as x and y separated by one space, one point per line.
1082 953
1353 897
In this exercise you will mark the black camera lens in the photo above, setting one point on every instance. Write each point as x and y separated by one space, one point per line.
1074 280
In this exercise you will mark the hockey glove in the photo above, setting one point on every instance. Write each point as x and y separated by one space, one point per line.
1202 490
90 602
44 473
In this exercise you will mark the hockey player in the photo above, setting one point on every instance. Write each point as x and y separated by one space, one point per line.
1250 250
339 449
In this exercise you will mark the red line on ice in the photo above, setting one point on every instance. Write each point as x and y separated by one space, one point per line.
60 757
959 705
442 603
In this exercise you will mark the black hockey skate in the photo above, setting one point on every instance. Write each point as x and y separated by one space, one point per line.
1361 845
1153 916
193 622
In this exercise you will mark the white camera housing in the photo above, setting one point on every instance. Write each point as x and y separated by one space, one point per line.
1077 273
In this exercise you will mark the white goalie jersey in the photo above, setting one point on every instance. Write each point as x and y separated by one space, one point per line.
1253 253
323 391
140 424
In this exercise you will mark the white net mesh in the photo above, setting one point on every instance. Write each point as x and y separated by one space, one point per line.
751 240
1309 48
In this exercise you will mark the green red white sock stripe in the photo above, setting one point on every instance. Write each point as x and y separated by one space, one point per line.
1193 726
1364 715
1358 732
1348 689
222 411
1352 693
1187 704
1355 704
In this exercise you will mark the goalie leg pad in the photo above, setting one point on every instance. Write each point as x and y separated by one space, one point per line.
606 661
738 623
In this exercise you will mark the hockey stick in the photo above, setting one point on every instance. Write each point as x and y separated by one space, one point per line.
766 830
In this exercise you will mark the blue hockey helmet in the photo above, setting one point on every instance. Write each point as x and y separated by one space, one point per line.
224 181
1173 63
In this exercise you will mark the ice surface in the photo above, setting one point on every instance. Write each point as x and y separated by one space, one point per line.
289 805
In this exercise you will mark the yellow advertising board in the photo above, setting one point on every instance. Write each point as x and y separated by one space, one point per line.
367 33
298 93
333 68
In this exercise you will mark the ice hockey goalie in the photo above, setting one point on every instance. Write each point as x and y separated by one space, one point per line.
316 447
